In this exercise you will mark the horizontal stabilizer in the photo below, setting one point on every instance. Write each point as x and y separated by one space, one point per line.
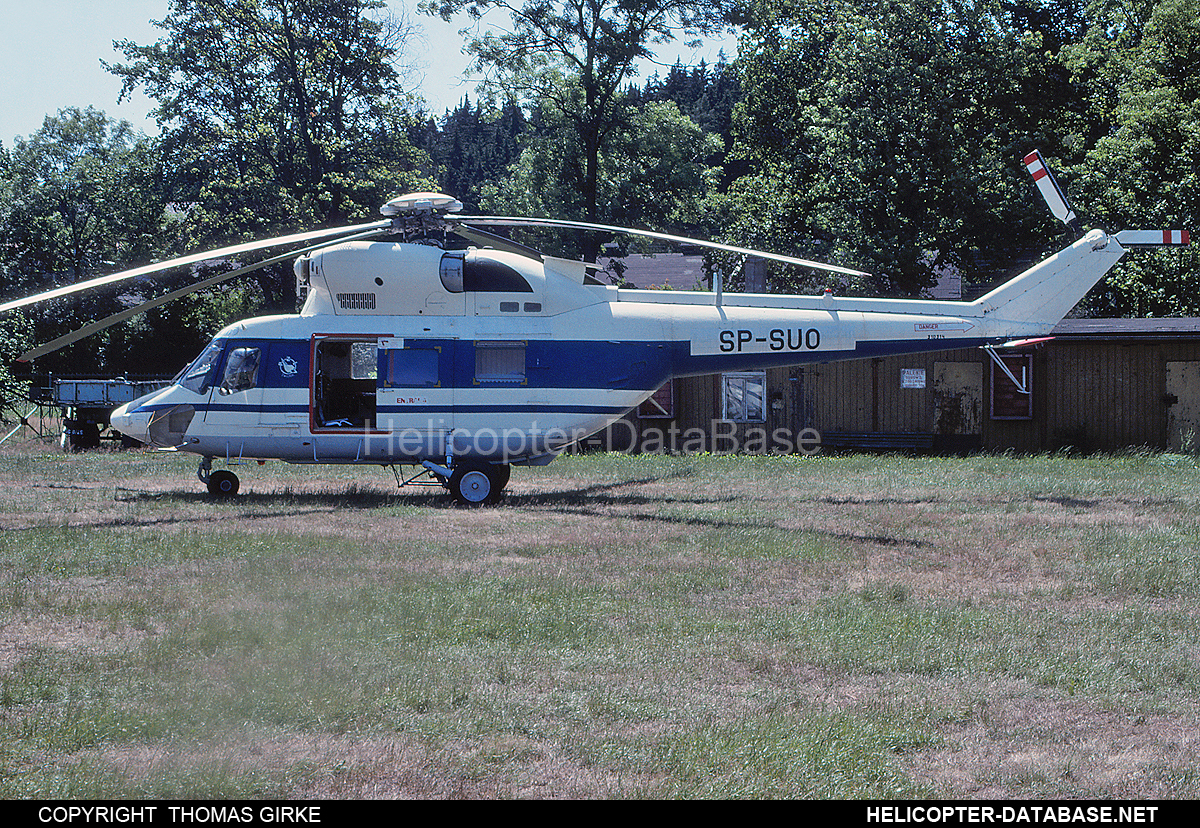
1152 238
1025 343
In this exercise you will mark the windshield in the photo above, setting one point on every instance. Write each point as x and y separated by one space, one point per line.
198 376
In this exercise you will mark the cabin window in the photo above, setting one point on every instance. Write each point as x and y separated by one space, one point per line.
364 360
451 272
241 370
500 362
198 376
412 368
743 395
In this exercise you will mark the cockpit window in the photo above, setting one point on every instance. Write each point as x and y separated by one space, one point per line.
241 370
482 275
198 376
475 273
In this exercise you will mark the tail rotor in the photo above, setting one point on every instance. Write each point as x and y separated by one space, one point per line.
1055 197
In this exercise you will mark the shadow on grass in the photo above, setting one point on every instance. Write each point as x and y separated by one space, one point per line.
598 501
347 498
613 500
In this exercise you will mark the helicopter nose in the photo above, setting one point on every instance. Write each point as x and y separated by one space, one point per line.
130 423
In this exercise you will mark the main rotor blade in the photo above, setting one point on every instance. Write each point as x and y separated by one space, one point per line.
483 237
109 321
232 250
509 221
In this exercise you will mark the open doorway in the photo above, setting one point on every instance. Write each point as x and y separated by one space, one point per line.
344 378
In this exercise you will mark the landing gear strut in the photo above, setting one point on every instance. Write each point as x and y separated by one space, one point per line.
472 482
221 483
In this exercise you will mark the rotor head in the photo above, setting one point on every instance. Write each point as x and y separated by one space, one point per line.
421 204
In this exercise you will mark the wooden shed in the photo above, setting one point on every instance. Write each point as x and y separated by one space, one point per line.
1099 384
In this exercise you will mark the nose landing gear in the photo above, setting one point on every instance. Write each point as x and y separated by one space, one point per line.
221 483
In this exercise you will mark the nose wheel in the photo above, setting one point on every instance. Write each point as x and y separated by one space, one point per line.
220 483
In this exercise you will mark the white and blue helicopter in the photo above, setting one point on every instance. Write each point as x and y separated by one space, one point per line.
464 362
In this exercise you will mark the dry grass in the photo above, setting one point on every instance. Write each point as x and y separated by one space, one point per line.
980 627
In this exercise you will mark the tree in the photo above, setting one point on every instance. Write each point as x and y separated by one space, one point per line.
573 58
1141 62
707 95
81 199
474 147
78 197
278 113
652 172
16 336
885 132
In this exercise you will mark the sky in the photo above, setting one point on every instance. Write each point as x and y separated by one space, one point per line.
53 51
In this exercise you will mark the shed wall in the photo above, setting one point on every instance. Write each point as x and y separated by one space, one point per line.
1091 393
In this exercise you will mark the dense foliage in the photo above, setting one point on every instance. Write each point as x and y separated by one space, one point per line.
882 134
572 59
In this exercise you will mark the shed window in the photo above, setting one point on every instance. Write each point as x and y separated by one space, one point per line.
743 395
1007 402
660 405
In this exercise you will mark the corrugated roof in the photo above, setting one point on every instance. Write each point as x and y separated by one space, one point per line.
1163 328
682 271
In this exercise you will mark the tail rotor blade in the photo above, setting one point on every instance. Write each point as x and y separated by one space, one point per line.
1055 198
1153 238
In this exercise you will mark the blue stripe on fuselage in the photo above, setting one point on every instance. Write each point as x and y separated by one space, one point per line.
639 366
704 364
582 364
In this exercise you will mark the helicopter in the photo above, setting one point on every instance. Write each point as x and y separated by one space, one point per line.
463 362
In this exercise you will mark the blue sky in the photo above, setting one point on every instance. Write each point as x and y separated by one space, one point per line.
53 51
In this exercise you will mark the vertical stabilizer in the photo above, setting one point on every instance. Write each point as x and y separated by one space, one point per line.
1034 302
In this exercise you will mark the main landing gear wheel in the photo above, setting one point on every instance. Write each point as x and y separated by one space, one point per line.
475 485
222 483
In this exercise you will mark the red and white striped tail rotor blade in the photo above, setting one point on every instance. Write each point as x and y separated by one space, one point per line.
1048 187
1152 238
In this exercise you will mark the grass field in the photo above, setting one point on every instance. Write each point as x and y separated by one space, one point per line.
891 627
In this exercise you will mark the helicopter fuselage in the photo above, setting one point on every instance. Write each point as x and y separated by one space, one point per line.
405 353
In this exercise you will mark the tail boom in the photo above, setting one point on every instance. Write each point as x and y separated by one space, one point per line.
1032 303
